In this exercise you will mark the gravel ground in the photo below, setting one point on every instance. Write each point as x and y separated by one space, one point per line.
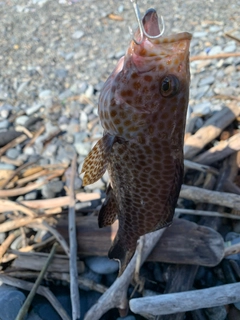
55 56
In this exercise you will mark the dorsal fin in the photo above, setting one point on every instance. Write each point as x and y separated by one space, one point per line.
96 162
108 211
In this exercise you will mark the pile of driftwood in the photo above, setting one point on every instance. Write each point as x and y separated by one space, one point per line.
211 190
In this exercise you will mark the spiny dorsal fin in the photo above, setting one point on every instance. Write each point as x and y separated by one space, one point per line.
96 162
108 211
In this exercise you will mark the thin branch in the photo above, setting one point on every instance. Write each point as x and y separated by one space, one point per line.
75 301
215 56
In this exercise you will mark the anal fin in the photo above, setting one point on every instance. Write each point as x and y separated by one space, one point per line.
108 211
96 162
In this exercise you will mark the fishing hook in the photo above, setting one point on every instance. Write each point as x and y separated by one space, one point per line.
141 27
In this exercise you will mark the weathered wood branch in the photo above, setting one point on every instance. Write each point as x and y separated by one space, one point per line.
220 151
208 196
210 130
186 301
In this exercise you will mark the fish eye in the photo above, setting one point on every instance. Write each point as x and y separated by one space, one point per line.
169 86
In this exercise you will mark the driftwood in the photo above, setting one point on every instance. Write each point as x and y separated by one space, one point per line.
36 260
186 301
220 151
174 246
222 55
210 130
208 196
116 295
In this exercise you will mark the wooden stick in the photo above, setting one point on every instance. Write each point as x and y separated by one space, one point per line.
26 305
25 165
60 202
34 138
45 292
208 196
13 143
7 242
210 130
7 205
116 295
216 56
200 167
75 299
220 151
233 249
185 301
15 162
19 191
207 213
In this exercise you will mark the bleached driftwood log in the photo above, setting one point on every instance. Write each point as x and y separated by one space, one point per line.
186 301
224 199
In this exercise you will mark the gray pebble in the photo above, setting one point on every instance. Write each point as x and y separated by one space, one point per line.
30 151
33 316
82 148
34 108
56 185
4 124
215 50
11 301
78 34
31 195
12 153
102 265
45 94
61 73
214 29
21 120
207 80
65 94
90 275
229 70
6 166
89 91
200 34
216 313
83 120
203 108
50 150
5 110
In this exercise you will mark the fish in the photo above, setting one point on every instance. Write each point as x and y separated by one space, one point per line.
142 109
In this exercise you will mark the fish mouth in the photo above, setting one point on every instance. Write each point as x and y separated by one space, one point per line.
150 22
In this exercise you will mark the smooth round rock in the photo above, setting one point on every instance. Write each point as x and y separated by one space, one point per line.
11 301
102 265
12 153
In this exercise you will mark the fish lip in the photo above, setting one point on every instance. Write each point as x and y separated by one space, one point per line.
174 37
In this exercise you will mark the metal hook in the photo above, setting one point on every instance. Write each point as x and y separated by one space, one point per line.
141 27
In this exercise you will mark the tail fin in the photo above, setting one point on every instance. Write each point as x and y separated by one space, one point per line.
119 252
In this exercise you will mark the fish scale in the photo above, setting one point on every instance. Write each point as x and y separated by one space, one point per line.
142 108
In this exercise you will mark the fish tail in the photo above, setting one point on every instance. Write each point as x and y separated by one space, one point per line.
119 252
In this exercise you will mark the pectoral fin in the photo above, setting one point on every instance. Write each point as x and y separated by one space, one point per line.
96 162
108 211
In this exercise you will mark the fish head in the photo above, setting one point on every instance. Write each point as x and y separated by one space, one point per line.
152 78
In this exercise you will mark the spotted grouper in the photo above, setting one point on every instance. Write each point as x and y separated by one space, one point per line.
142 108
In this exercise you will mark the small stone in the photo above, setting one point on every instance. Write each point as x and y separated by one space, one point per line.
12 153
4 124
5 110
89 91
214 29
31 195
216 313
65 94
102 265
200 34
6 166
33 316
50 150
21 120
207 80
203 108
30 151
215 50
56 185
33 109
230 48
229 70
83 120
77 34
61 73
45 94
82 148
11 301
